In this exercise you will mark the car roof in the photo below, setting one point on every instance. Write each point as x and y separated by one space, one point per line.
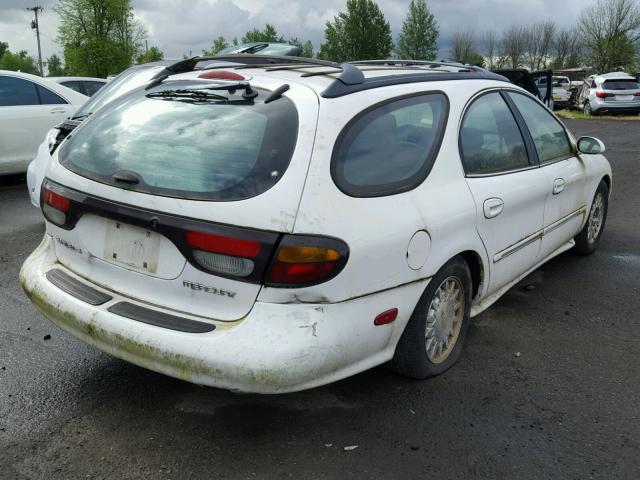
75 79
331 80
614 76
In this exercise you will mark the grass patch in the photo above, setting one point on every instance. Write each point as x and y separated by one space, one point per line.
577 115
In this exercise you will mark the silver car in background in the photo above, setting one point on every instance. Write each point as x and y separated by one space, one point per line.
616 92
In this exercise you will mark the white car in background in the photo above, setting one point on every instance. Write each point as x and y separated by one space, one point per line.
615 92
85 85
560 90
275 228
29 107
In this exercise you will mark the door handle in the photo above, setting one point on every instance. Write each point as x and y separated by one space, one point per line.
493 207
558 185
57 110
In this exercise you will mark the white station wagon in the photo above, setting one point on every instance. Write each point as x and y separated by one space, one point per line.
277 226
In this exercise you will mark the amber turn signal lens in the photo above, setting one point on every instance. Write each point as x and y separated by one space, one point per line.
294 254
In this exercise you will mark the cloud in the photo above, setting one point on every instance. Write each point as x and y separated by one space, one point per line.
179 27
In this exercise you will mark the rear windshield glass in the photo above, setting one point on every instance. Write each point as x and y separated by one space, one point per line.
208 146
621 85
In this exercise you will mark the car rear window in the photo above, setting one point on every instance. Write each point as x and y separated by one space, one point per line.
390 147
621 85
187 147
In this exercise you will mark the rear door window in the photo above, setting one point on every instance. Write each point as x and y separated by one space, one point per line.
47 97
391 147
549 136
17 92
490 140
73 85
210 148
92 87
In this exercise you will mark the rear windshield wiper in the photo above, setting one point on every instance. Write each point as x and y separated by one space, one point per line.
187 95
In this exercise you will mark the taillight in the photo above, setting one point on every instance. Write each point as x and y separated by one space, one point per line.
637 94
303 261
604 94
224 255
55 206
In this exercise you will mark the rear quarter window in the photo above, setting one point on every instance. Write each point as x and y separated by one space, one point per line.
390 147
221 150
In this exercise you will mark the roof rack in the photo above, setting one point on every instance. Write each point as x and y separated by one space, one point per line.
416 63
348 74
349 79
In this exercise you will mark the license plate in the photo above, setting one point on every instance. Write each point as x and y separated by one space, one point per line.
555 97
131 246
624 98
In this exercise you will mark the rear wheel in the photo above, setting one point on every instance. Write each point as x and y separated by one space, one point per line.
588 239
432 340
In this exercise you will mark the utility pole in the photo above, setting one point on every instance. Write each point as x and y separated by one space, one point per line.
36 27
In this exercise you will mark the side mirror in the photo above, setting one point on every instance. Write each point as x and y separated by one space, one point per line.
590 146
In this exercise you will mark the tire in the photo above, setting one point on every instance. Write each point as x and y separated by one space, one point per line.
586 108
412 356
587 241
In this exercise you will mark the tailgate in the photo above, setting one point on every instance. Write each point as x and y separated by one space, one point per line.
162 240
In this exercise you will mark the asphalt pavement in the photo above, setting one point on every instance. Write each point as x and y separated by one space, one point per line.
548 386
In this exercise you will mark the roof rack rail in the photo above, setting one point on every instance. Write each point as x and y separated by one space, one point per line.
337 89
417 63
348 73
349 79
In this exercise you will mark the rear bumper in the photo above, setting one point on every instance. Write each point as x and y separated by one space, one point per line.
276 348
604 107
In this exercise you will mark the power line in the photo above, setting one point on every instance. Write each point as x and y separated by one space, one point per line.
36 27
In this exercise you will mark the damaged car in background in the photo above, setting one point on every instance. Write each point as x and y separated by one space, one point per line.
276 226
615 92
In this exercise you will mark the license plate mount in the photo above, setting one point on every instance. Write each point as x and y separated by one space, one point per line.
133 247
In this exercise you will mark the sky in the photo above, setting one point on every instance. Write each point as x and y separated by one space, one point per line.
186 27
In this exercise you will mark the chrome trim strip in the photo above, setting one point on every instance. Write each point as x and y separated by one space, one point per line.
563 220
517 246
497 174
510 250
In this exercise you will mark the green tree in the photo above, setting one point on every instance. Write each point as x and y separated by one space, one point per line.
419 37
154 54
54 66
19 62
360 33
610 29
307 47
4 46
218 44
99 37
269 34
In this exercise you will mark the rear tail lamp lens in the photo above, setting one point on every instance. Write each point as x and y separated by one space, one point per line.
55 206
223 255
302 261
235 247
604 94
235 266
